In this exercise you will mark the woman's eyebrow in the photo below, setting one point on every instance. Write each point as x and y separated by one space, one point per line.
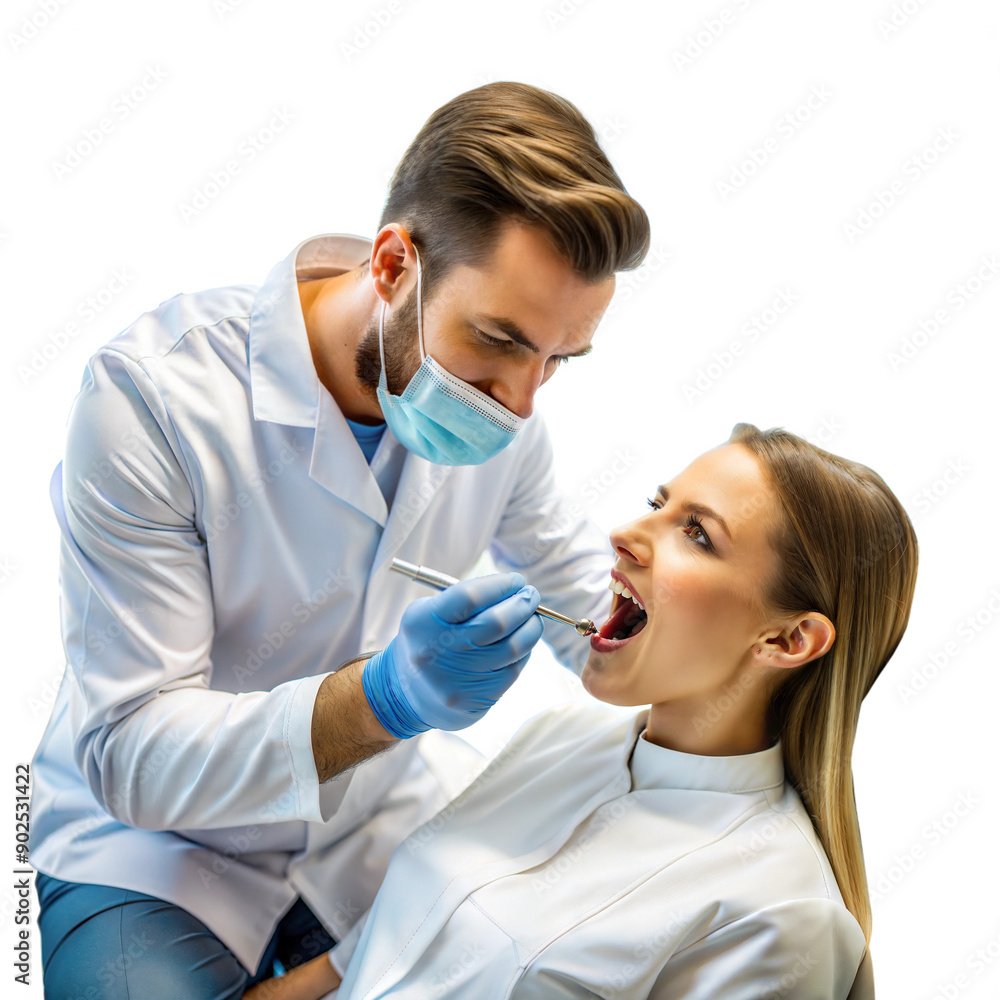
698 508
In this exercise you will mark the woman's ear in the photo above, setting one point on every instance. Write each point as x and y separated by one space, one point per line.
804 638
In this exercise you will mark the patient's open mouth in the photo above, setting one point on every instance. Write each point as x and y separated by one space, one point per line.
628 618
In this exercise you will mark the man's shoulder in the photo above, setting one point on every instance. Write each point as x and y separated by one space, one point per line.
182 319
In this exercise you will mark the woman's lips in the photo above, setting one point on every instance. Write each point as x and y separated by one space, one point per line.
601 645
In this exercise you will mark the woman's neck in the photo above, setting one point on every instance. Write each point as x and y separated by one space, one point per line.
715 730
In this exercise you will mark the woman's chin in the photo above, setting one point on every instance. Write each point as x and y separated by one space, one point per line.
600 682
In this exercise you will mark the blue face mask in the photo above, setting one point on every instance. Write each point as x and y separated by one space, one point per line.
439 417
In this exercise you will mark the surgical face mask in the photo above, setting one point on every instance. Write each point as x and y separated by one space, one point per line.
440 417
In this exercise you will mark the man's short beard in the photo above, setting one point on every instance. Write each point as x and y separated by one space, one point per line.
402 353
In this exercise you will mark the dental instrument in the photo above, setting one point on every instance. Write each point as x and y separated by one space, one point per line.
432 578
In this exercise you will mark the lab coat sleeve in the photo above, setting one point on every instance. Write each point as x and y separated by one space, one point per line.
803 949
159 749
340 954
550 540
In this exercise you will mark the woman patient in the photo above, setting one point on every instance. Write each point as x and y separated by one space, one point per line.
707 846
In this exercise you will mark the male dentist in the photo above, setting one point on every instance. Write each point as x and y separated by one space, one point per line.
228 765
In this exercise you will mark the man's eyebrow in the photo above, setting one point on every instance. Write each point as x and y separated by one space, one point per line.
509 327
698 508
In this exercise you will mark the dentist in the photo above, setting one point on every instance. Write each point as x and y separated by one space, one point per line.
228 764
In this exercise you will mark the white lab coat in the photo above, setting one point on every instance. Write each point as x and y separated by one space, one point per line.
566 869
225 545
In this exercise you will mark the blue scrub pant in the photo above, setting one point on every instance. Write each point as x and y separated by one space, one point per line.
102 943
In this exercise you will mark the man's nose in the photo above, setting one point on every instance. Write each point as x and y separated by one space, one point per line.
520 405
517 393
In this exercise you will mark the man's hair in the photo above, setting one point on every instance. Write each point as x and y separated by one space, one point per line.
512 151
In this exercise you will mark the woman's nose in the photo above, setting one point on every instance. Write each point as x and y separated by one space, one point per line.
631 542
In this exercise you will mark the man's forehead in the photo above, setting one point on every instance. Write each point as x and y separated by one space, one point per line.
527 252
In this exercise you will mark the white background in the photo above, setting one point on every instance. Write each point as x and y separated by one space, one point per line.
674 131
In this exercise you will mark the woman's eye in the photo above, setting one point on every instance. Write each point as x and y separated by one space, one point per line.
692 525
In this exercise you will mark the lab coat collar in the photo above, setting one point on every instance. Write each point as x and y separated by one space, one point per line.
284 385
654 766
338 464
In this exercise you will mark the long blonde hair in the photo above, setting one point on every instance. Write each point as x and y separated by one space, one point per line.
847 549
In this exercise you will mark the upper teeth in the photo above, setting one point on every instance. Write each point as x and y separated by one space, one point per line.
619 588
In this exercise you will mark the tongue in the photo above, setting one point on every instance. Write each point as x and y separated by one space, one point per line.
616 622
620 624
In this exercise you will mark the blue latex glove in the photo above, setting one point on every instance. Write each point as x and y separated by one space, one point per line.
455 654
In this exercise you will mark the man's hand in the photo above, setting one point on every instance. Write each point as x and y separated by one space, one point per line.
454 656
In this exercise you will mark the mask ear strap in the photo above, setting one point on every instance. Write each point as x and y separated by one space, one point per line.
420 325
381 353
420 311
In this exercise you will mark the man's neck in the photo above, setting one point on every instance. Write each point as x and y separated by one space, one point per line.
335 311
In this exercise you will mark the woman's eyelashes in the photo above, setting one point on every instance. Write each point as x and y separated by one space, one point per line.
692 525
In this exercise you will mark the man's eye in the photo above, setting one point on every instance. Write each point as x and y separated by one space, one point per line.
505 345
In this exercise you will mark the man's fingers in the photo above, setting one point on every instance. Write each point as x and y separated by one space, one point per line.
513 646
465 599
495 623
521 642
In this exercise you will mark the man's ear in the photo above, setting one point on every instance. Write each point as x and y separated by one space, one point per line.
393 263
802 639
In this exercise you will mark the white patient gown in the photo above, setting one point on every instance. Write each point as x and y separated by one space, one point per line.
575 867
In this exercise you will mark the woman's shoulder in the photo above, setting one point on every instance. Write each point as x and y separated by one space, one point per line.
805 947
774 854
588 727
571 734
775 903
